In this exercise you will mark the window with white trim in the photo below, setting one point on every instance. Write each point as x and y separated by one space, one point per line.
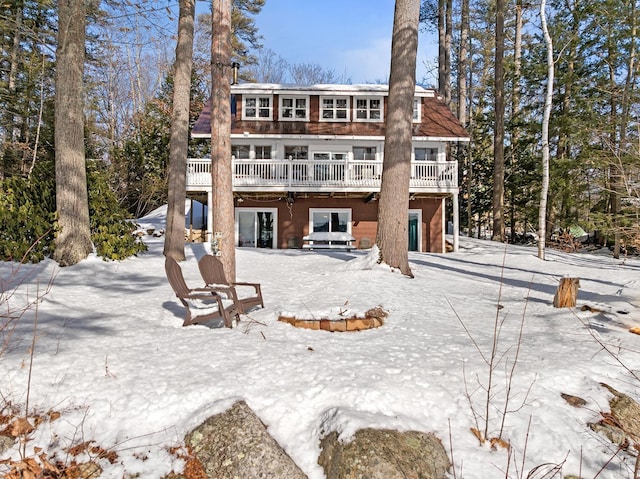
332 220
256 227
364 153
417 110
294 108
240 152
368 109
425 154
296 152
329 166
360 170
263 152
329 156
257 107
334 108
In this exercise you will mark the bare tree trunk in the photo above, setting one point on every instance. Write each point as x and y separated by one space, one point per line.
221 167
462 101
463 63
515 109
517 60
393 209
442 49
498 134
448 34
179 139
613 169
542 213
73 242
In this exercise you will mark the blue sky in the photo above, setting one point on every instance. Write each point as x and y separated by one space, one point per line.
347 36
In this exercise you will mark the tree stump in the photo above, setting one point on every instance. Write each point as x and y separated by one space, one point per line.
567 293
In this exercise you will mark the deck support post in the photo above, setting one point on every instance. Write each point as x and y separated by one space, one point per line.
209 216
456 223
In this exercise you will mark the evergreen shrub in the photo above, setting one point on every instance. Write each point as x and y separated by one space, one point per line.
111 231
28 219
27 216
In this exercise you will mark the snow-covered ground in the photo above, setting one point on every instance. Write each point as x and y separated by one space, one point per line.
112 356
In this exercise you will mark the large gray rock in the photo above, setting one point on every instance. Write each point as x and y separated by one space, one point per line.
384 454
622 425
236 445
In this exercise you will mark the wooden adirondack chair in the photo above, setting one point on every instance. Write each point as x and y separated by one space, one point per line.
202 304
212 272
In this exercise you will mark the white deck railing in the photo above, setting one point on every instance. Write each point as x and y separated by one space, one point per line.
253 175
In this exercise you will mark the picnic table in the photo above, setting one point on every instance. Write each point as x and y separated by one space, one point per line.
328 240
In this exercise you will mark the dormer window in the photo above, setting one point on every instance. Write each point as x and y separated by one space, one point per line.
257 108
334 108
368 109
294 108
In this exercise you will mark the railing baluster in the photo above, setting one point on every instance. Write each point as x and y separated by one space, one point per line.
325 174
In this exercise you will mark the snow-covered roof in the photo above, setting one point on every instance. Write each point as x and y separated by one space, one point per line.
364 88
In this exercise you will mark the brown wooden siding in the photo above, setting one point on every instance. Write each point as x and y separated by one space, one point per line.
437 121
293 220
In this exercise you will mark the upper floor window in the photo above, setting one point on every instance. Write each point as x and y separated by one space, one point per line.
368 109
334 109
425 154
294 108
240 152
364 153
296 152
417 110
329 156
247 152
263 152
257 108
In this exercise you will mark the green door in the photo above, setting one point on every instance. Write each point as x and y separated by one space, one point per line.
413 232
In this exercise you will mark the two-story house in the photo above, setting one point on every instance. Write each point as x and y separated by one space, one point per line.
309 159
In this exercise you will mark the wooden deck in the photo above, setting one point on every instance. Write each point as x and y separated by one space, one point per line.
331 176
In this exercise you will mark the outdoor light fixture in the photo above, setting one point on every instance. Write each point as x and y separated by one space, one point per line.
235 66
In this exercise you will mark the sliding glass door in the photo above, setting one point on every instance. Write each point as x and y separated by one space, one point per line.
256 228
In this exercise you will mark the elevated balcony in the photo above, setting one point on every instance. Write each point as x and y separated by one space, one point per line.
322 176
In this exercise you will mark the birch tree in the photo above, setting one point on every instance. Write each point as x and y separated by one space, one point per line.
73 242
393 209
542 215
179 135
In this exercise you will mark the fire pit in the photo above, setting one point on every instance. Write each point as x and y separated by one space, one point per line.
373 318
